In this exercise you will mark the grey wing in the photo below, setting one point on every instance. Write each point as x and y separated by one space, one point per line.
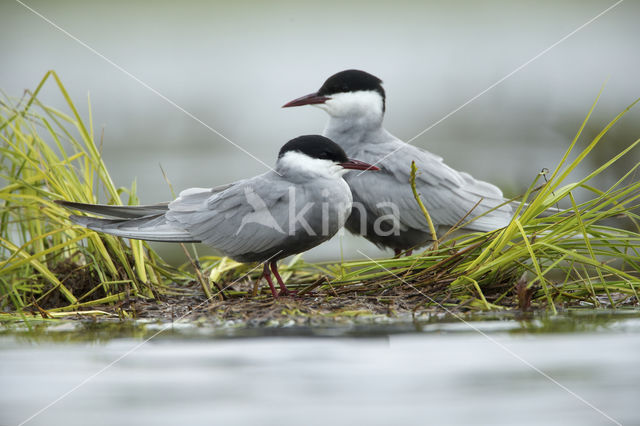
140 222
132 212
121 212
149 228
249 216
448 194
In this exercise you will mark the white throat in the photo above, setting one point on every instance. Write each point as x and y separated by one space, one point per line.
354 117
297 166
364 106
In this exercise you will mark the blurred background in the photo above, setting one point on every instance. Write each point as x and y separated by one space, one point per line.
233 65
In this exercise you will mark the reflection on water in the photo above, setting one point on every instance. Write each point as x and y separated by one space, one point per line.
436 371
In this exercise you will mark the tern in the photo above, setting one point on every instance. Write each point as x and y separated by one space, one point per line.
297 206
385 210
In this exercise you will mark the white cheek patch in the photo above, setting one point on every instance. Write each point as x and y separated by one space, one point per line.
366 102
301 164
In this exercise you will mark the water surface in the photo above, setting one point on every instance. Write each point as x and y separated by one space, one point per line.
573 369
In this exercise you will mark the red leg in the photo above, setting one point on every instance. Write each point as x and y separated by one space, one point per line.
267 274
283 288
399 253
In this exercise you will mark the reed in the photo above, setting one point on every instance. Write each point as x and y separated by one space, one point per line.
587 255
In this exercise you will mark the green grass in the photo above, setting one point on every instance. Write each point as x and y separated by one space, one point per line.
47 155
587 257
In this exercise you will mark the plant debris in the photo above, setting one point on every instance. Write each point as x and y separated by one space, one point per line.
587 255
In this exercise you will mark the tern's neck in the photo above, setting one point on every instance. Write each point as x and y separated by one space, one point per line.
351 131
353 116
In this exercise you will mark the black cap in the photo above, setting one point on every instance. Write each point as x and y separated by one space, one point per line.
315 146
352 81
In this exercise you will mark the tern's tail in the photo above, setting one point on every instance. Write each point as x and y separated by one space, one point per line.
120 212
137 222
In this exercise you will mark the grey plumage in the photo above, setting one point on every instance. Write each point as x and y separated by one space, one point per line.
213 216
449 195
120 212
261 219
355 102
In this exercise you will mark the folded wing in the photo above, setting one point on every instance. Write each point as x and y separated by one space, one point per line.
250 216
449 195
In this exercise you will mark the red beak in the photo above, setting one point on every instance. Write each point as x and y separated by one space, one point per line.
358 165
310 99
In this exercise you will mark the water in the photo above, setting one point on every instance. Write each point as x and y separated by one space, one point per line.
575 369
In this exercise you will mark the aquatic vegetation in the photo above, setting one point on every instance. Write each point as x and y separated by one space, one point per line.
587 255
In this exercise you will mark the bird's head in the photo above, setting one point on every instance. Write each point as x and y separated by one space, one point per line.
348 94
316 156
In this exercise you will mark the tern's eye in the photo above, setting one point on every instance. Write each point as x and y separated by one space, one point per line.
340 88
